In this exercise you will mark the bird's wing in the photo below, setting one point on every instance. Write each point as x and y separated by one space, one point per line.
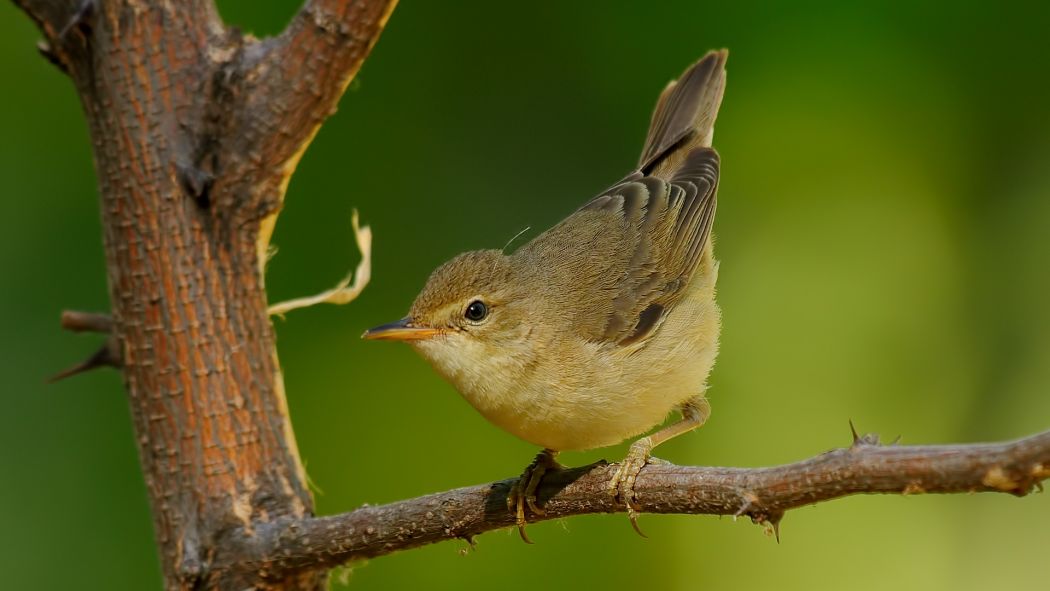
617 265
665 226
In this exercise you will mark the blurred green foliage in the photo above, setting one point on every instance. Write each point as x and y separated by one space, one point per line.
882 228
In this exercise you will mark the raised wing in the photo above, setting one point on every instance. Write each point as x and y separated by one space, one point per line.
622 261
668 224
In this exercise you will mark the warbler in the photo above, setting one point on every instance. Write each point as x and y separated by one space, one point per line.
598 328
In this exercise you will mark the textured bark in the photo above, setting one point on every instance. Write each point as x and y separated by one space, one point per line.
196 130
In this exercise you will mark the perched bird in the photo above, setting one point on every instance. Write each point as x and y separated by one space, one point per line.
599 327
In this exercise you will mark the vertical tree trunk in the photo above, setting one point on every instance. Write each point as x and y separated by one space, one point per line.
196 130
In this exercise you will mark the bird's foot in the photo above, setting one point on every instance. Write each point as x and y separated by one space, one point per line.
523 493
622 483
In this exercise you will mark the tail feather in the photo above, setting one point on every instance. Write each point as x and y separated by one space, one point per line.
685 114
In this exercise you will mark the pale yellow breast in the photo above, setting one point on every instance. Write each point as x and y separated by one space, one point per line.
582 395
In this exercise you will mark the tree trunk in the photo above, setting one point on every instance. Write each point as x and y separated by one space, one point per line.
196 130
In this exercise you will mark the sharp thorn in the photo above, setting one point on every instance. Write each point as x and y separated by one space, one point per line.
49 54
105 356
773 522
866 439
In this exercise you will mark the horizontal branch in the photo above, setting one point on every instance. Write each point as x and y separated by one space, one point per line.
763 494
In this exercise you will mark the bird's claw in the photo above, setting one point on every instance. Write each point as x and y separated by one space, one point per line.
523 493
621 485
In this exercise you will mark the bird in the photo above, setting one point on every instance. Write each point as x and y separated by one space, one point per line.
599 328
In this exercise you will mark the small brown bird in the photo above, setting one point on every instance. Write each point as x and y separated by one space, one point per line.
599 327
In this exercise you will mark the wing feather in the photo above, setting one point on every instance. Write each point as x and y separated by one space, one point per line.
624 259
666 226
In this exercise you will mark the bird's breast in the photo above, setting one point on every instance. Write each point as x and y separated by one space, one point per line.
563 392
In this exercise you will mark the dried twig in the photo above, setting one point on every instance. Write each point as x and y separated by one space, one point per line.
344 292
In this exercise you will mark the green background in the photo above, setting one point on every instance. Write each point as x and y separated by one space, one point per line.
882 224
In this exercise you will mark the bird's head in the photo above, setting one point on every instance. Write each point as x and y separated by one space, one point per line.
470 320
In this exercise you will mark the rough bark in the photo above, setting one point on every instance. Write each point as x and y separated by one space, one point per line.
196 129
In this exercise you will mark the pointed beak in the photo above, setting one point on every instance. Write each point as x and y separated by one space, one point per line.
402 330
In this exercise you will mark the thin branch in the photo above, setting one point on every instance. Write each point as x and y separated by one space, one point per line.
763 494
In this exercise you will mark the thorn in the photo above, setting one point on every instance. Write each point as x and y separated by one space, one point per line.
866 439
775 524
771 522
49 54
81 19
75 321
895 441
106 356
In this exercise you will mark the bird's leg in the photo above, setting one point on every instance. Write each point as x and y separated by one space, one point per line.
524 490
694 414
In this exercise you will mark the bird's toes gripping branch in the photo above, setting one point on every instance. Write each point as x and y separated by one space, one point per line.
621 485
523 493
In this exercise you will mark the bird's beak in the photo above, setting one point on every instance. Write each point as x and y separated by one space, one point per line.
402 330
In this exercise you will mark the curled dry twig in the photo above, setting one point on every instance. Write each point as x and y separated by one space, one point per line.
346 290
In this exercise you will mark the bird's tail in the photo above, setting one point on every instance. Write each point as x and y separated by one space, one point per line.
685 114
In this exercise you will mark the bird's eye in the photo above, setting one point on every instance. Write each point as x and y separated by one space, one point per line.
476 311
